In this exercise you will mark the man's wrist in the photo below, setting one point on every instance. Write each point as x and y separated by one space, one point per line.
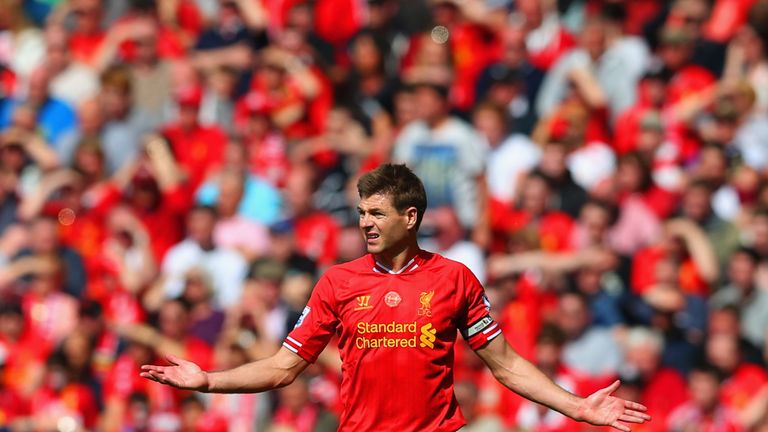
577 408
208 387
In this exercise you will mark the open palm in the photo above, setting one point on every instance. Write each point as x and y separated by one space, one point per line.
181 373
602 409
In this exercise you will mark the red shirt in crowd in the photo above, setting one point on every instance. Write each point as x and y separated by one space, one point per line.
198 151
73 400
84 47
397 334
664 391
554 228
317 236
643 274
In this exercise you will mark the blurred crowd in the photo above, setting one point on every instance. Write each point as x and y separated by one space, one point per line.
176 174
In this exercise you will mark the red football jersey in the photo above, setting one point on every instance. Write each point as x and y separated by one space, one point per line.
397 331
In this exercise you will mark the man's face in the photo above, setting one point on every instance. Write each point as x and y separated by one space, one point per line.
200 226
382 226
429 104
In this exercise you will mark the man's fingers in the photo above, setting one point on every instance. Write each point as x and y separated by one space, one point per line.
620 426
612 388
154 376
634 406
638 414
152 368
172 359
632 419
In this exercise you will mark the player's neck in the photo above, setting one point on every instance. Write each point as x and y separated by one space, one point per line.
397 260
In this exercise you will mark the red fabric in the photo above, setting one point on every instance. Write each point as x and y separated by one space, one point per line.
198 151
123 380
25 356
165 224
169 45
12 406
84 46
474 48
522 316
559 45
302 421
688 82
661 201
198 351
643 275
189 18
7 82
268 159
397 331
664 391
317 237
638 13
272 101
740 389
726 18
74 399
336 27
554 227
627 128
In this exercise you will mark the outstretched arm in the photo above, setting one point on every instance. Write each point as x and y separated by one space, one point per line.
522 377
262 375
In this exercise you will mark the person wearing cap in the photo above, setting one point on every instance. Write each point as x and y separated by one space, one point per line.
197 148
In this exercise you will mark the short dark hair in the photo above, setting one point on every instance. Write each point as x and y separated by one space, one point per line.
399 182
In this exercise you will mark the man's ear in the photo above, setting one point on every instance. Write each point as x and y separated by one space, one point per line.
413 216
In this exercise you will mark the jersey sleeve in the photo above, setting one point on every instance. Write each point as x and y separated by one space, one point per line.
316 325
475 322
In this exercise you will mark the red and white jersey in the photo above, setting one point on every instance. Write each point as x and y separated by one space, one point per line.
397 331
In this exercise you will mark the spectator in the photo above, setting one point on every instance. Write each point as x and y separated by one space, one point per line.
743 293
447 154
298 412
71 81
44 242
704 408
227 267
696 205
513 82
114 119
54 116
197 149
232 230
511 156
617 66
580 352
663 388
467 396
261 201
316 232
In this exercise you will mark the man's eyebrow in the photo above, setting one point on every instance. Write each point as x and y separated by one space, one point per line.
369 210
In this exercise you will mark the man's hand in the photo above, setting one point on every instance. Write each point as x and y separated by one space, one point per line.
602 409
181 374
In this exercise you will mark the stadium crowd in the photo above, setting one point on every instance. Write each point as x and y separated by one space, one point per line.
176 174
